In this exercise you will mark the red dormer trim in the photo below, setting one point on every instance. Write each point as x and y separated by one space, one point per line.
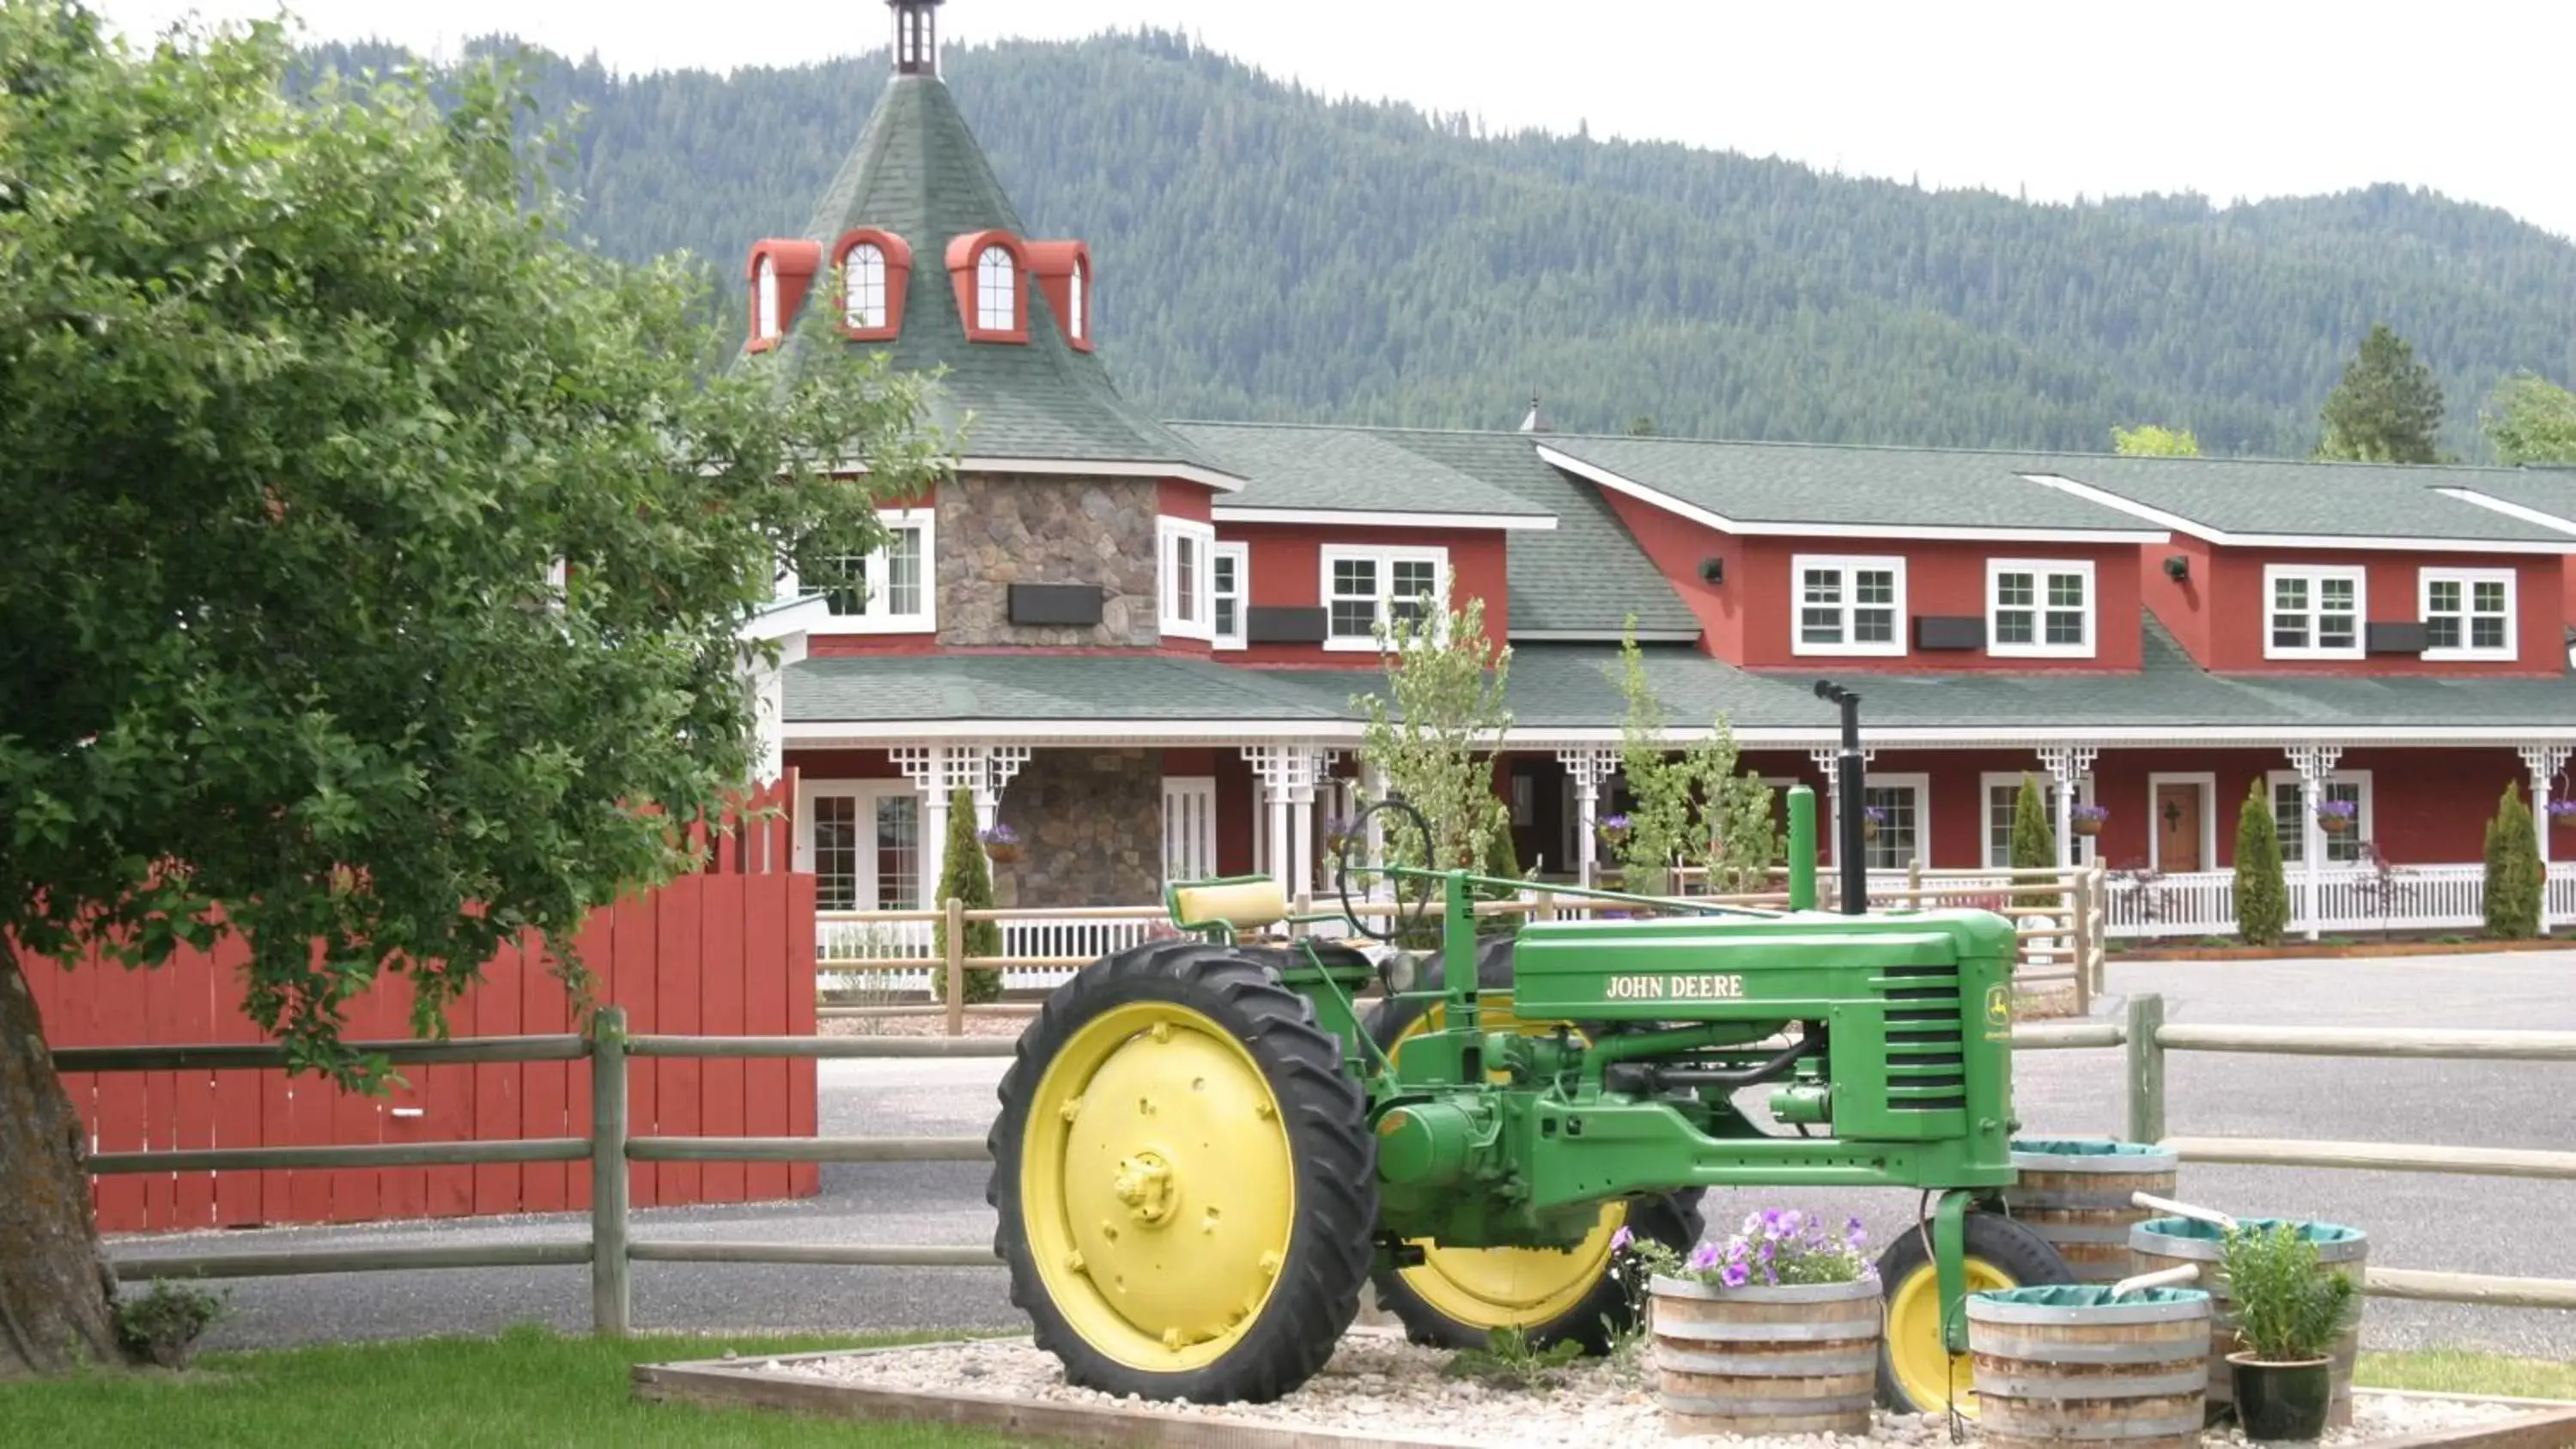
1056 263
795 263
963 253
898 280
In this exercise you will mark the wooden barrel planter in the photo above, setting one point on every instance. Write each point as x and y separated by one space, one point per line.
2070 1364
2075 1194
1797 1359
2160 1243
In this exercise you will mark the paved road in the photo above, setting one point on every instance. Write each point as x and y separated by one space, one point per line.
2490 1225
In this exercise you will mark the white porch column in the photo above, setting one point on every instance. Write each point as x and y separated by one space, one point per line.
2314 763
2067 767
1588 768
2544 762
937 771
1287 776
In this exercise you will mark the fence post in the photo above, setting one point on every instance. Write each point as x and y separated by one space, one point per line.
2081 931
953 964
611 1293
2146 1069
1914 881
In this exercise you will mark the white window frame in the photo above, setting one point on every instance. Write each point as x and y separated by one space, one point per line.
865 888
765 290
1193 617
1384 560
1847 565
1077 305
1990 781
1921 785
2315 575
2468 580
2206 781
863 275
2294 847
874 619
1189 827
2040 571
1240 555
997 289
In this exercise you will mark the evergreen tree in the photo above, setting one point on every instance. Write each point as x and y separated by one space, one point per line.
2150 441
2515 876
2387 409
963 878
2034 840
2262 890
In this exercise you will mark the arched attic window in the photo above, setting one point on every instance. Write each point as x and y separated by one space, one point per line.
779 271
1063 273
989 270
876 271
1075 322
765 328
865 271
997 289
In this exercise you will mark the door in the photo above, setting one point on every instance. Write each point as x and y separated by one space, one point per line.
2178 828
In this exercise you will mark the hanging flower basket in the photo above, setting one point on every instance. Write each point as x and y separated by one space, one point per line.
1001 844
2562 813
1337 834
2335 816
2088 818
1613 830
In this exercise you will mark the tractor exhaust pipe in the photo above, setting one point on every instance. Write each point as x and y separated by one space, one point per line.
1850 793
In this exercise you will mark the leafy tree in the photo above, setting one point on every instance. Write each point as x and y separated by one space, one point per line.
301 403
2532 420
1695 805
2514 875
1432 732
2034 840
964 878
2150 441
2262 890
1641 426
2387 409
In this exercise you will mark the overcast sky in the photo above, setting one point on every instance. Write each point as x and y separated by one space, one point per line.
2247 99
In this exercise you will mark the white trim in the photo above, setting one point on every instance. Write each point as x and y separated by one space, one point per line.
2468 580
2316 575
1170 536
865 887
1240 554
1385 518
2083 847
1847 565
2371 542
2207 780
2039 647
1385 558
768 321
2364 820
1603 636
825 734
1195 797
2528 514
872 621
1921 785
1924 531
1100 468
803 614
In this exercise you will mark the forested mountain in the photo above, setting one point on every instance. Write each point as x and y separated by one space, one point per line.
1265 253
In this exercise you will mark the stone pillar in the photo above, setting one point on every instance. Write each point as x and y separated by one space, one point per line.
2314 764
1589 768
2067 767
2544 762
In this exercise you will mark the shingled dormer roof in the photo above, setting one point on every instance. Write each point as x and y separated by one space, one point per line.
917 173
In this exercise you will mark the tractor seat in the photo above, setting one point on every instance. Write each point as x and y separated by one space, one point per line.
1241 904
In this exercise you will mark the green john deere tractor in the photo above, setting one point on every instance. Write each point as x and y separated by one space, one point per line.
1206 1146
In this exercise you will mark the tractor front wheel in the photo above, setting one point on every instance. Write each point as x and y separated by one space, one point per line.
1917 1373
1184 1178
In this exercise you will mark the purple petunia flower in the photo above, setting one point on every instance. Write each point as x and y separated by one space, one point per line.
1735 1276
1702 1258
1620 1240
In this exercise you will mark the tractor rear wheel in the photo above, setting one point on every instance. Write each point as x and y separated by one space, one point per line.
1456 1297
1184 1177
1917 1373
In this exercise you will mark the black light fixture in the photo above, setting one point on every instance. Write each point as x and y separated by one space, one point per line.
2177 566
1712 570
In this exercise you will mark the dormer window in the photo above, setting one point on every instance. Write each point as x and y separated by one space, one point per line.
1074 319
997 288
1063 274
779 272
866 269
876 273
766 329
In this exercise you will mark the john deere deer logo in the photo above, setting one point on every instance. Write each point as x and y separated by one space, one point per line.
1998 1013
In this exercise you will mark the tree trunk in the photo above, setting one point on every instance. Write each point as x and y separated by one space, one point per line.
55 1287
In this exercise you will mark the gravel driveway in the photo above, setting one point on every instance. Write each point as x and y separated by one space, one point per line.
2485 1225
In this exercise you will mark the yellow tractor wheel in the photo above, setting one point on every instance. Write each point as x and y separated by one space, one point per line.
1184 1179
1917 1373
1457 1296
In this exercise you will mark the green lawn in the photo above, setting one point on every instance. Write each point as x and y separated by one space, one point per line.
527 1387
2453 1371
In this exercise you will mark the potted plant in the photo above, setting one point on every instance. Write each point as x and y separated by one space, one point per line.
1871 817
2336 816
2562 812
1338 833
2289 1310
2088 818
1613 830
1787 1286
1001 844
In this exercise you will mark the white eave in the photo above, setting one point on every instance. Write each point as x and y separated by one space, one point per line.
1925 532
2363 542
786 618
2532 516
1383 518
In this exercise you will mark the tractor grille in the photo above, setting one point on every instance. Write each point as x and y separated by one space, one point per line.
1926 1067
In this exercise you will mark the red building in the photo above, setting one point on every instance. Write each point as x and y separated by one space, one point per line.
1137 641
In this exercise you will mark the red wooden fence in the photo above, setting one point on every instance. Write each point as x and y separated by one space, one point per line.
727 952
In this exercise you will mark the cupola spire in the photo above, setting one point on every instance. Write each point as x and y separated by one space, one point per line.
916 36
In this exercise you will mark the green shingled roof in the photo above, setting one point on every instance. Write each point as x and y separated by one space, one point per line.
2335 500
2550 490
1810 484
918 173
956 688
1290 467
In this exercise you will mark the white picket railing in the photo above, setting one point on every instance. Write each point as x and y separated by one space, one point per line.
2348 898
849 936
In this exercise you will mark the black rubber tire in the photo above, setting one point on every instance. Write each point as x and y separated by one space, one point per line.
2012 1249
1332 1154
1672 1219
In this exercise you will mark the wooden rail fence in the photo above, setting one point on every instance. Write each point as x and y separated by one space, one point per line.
613 1155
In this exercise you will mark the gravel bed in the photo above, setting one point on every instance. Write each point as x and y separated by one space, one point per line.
1378 1384
920 1026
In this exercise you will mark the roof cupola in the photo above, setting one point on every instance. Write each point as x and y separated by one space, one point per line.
916 36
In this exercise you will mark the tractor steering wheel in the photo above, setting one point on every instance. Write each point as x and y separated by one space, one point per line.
1400 923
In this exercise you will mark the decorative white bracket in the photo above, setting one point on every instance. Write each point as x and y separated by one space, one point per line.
2068 764
2544 762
